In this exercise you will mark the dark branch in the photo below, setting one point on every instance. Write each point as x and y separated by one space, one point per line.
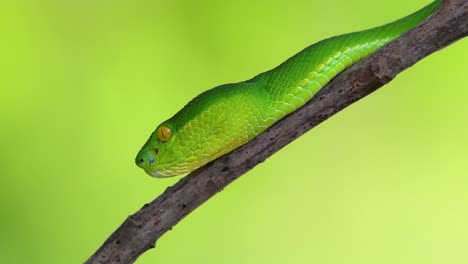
140 231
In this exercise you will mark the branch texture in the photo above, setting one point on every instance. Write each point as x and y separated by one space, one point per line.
140 231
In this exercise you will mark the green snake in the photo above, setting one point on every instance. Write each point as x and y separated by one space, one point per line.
223 118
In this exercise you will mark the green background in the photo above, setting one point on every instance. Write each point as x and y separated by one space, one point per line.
84 83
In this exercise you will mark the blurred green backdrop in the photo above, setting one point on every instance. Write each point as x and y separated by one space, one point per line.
84 83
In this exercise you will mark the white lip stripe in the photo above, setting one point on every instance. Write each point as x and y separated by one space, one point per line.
155 173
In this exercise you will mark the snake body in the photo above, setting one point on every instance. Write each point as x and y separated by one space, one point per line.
228 116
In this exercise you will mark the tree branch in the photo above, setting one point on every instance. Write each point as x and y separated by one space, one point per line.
140 231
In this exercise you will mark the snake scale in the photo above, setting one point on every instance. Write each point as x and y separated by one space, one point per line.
221 119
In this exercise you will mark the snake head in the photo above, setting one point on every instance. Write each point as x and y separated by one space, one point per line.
155 150
170 152
209 126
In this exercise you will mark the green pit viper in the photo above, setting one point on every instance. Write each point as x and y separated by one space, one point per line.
223 118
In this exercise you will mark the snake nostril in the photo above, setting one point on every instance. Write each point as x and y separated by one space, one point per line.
142 160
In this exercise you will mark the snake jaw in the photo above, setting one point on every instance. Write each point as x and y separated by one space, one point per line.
154 173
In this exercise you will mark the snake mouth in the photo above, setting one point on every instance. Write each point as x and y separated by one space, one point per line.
166 173
159 173
156 174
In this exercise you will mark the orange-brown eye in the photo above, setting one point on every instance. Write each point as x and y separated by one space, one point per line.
164 133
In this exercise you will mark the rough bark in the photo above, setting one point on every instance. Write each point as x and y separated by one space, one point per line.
140 231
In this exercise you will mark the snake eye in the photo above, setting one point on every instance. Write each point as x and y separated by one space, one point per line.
164 133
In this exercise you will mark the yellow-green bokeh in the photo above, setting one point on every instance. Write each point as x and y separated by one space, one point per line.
83 83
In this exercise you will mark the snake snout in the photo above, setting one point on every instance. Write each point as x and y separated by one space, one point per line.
146 158
141 161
